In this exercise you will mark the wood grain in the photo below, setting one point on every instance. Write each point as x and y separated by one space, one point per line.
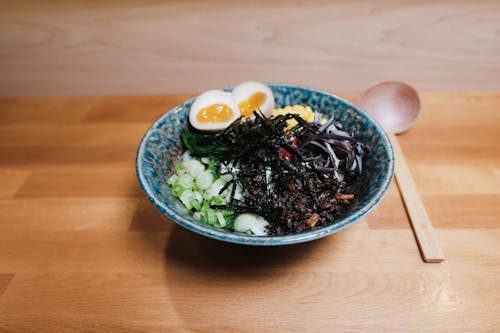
80 184
72 135
82 249
106 214
61 300
5 280
11 181
81 47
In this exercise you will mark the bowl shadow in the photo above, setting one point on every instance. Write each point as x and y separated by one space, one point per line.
209 256
206 281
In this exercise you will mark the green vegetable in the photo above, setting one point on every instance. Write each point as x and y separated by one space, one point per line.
193 183
204 180
195 204
193 167
215 188
210 216
220 219
177 190
202 144
185 181
186 198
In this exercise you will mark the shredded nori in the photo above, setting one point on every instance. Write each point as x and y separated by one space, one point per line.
294 178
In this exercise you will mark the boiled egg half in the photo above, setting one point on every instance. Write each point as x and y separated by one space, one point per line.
213 110
251 96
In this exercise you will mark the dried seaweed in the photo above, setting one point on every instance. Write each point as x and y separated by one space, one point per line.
296 179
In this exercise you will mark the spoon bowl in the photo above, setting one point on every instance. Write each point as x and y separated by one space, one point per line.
395 105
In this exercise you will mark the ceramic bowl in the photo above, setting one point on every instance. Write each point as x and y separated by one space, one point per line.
161 148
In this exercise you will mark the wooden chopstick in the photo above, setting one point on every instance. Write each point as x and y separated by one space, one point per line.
427 240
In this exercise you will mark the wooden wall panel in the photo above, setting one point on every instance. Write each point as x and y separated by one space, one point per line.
51 47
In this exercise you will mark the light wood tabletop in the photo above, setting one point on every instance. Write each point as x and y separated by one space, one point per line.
82 249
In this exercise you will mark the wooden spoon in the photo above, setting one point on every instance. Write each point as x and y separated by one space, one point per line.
396 106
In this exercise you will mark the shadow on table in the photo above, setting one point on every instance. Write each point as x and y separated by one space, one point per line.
206 256
209 285
212 284
190 251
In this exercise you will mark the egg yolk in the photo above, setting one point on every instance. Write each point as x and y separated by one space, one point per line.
305 113
215 113
247 107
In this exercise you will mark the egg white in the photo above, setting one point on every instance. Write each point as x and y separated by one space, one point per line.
207 99
245 90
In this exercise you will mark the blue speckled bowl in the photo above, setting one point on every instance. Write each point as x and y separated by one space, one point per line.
161 148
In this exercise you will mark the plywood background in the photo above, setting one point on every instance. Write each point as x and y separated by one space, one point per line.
52 47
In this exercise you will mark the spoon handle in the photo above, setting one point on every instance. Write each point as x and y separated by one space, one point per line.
422 227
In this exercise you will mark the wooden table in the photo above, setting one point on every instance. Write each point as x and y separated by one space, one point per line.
82 249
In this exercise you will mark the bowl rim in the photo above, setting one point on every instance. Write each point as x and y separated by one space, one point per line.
239 238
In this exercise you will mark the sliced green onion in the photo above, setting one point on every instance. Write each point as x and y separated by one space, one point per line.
171 180
177 190
218 200
205 205
203 218
186 198
215 188
211 219
185 181
193 167
220 219
194 185
198 196
186 156
204 180
196 205
227 212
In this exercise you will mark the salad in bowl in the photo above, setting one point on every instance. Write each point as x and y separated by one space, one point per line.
265 164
